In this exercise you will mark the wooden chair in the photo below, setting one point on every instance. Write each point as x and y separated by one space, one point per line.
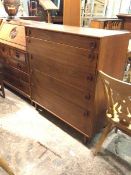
5 166
2 92
118 95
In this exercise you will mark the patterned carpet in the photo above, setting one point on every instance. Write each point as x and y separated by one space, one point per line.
45 149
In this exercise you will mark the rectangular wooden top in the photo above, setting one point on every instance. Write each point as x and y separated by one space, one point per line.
99 33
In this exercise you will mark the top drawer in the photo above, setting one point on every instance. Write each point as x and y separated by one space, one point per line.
64 38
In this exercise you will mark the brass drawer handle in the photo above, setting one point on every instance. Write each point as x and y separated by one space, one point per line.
86 113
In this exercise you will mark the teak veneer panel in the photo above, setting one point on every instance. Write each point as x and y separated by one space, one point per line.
69 112
74 95
65 38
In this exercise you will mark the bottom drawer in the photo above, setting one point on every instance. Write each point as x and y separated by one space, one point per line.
19 84
16 73
72 114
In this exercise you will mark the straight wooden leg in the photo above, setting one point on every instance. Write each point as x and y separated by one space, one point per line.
105 132
85 139
6 167
116 129
3 91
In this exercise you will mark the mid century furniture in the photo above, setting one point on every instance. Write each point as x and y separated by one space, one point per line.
118 95
64 62
106 23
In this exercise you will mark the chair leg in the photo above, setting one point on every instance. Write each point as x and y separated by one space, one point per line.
6 167
116 129
102 138
3 91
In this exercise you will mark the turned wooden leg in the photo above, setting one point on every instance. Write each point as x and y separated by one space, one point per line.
6 167
103 136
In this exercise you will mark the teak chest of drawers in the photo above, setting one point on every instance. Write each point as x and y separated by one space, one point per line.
64 64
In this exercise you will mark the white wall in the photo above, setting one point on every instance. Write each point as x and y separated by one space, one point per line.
117 6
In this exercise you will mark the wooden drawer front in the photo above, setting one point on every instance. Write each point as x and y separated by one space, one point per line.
15 54
16 73
4 51
64 38
62 53
81 98
76 116
17 64
19 84
72 75
9 52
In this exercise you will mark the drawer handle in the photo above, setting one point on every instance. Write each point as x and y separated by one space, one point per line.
19 66
28 40
86 113
17 55
92 45
89 77
88 97
91 56
3 49
31 57
29 32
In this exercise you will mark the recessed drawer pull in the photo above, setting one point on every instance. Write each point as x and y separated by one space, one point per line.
88 97
92 45
29 32
3 49
86 113
19 66
17 55
28 40
91 56
89 77
31 57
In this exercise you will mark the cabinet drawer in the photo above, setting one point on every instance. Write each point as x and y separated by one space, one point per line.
18 84
84 60
62 53
73 75
74 95
9 52
16 73
17 64
64 38
72 114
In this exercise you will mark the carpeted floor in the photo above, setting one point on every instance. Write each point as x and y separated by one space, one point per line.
33 145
